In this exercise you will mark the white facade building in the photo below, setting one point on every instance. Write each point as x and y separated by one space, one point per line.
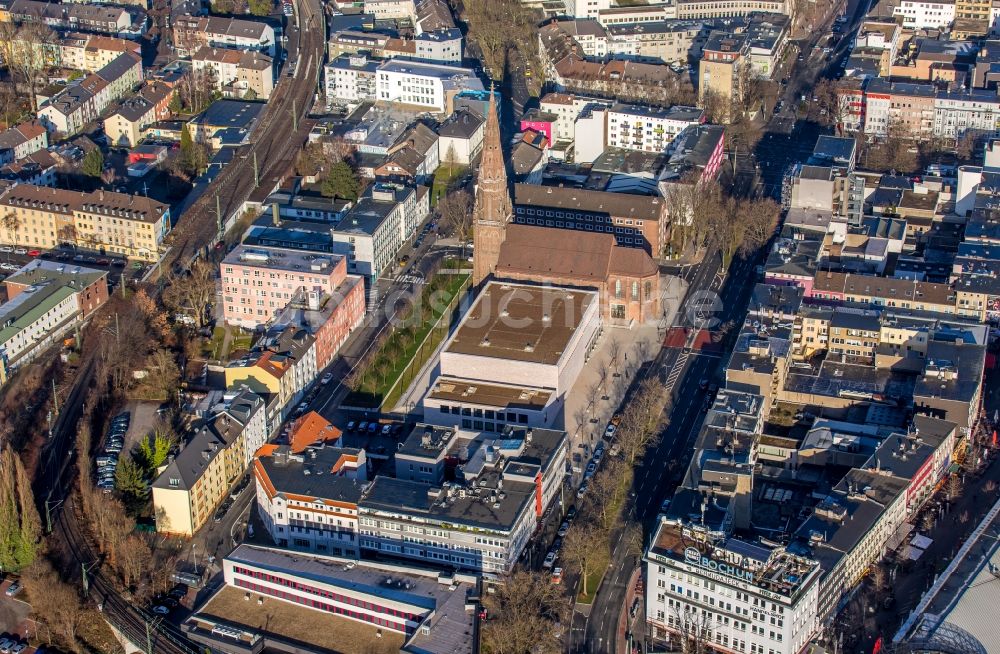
748 599
373 230
440 46
484 519
391 9
567 107
920 14
350 78
431 86
591 133
637 127
975 111
586 8
308 500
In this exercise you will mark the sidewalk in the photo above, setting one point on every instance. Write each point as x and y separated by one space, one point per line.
949 533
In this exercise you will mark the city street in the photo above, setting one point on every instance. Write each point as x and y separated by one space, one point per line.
662 467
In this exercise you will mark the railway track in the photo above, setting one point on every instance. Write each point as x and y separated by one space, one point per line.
274 143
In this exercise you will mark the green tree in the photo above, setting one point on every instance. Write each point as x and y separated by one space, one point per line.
176 106
193 157
153 450
341 182
93 163
20 526
130 478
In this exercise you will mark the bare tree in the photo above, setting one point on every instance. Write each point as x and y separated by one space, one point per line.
456 216
192 292
54 602
759 219
694 629
953 487
585 549
522 615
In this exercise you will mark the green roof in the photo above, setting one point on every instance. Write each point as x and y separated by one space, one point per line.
28 307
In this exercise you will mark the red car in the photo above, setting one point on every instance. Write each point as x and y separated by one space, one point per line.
34 253
103 262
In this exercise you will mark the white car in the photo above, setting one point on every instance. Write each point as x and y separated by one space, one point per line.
550 560
610 431
326 378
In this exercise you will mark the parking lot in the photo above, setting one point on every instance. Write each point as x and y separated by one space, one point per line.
13 258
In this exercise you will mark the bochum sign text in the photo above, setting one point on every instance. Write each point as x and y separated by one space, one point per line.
694 557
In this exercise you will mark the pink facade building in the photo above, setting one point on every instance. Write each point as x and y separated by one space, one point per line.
542 122
259 282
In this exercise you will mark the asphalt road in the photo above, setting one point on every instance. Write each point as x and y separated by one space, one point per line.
786 141
663 466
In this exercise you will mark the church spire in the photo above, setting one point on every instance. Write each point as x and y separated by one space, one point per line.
492 210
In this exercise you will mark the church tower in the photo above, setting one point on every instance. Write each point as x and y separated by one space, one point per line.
492 210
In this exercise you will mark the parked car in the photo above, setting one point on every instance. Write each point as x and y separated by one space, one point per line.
362 427
386 429
563 528
549 561
18 648
609 433
6 644
20 251
350 426
327 378
159 609
571 513
13 589
582 491
557 575
372 428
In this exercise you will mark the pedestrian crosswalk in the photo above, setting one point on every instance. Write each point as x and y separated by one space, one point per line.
675 371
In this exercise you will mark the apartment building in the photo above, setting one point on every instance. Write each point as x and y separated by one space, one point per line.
21 140
863 515
718 68
71 109
373 230
977 10
216 455
280 368
636 221
130 225
194 32
481 521
567 107
670 41
125 125
259 282
350 78
237 73
308 500
125 22
442 46
637 127
461 137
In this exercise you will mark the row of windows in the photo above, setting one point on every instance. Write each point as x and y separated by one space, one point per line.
489 414
329 608
337 597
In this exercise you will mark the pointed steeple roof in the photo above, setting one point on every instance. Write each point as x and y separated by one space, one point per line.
492 197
